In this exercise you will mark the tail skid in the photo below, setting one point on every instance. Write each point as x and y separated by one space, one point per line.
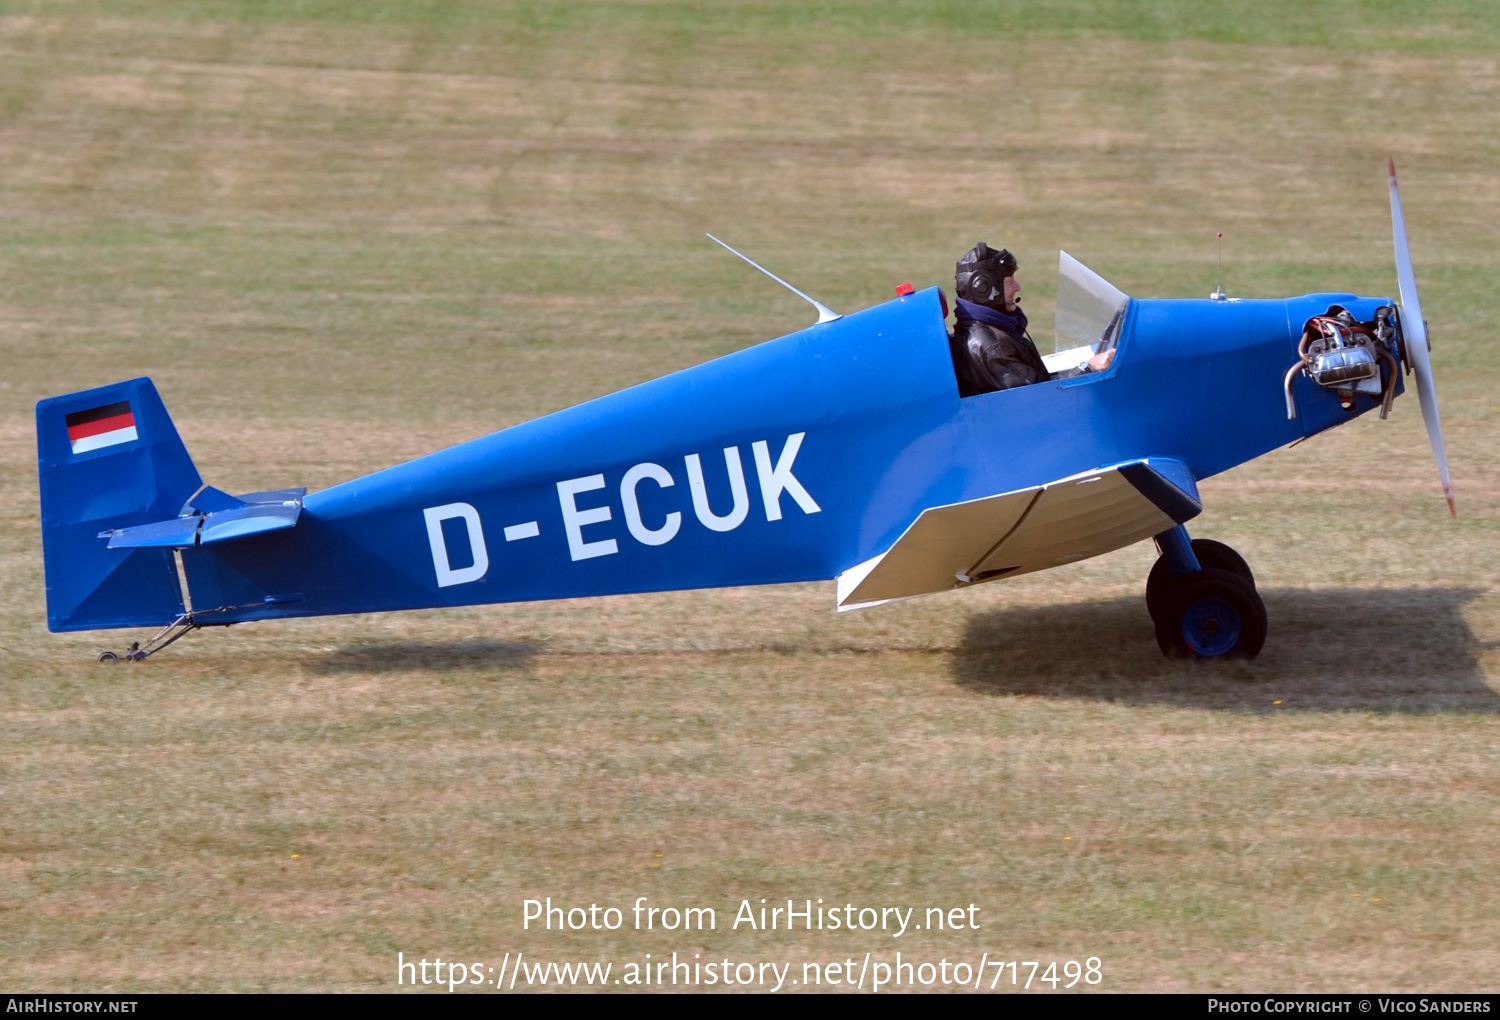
164 637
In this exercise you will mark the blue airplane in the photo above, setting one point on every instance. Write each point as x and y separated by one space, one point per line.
843 451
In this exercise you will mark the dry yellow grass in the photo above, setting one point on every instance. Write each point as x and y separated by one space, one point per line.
294 226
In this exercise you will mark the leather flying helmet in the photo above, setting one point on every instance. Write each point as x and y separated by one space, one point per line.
980 275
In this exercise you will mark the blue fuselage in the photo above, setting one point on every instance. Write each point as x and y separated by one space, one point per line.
789 461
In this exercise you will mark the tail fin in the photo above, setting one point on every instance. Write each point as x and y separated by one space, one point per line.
109 458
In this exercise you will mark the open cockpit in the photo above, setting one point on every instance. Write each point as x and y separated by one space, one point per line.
992 349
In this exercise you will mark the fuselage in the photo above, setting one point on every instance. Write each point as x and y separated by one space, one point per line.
792 460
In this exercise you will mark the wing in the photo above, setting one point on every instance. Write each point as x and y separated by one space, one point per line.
1014 533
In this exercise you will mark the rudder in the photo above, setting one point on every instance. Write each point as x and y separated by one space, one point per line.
109 458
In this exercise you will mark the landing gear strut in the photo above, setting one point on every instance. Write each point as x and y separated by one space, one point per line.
1201 596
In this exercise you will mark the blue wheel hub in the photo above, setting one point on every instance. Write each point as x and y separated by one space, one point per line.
1211 627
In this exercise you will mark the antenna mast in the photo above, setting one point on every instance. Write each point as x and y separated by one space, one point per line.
1218 294
825 314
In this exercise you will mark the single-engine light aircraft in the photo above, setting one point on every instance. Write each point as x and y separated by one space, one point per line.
842 451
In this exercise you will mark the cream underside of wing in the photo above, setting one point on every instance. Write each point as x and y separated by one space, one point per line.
1014 533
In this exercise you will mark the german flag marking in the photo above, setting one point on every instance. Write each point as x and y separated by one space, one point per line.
99 427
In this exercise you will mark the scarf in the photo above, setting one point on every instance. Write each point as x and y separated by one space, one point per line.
1015 324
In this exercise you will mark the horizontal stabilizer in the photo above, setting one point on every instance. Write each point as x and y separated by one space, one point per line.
241 516
1015 533
177 533
249 520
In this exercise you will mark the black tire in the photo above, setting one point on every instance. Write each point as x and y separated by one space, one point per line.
1213 614
1161 584
108 657
1221 557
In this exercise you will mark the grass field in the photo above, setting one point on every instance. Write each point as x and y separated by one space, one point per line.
341 235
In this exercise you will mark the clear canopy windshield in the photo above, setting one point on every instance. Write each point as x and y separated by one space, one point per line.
1089 307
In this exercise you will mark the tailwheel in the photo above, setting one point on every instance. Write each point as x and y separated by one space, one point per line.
1160 583
1212 614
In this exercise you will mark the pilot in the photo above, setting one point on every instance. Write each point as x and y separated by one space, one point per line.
990 346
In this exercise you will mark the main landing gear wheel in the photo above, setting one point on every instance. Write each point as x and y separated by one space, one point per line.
1160 583
1212 614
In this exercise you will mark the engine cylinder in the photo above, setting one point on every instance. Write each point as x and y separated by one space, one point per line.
1342 366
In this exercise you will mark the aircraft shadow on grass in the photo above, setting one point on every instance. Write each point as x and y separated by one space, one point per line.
1342 649
434 657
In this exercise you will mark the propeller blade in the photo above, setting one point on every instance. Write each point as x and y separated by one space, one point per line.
1414 332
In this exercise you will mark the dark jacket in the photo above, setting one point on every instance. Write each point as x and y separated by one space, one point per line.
991 351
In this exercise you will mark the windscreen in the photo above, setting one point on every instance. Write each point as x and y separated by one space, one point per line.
1089 307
